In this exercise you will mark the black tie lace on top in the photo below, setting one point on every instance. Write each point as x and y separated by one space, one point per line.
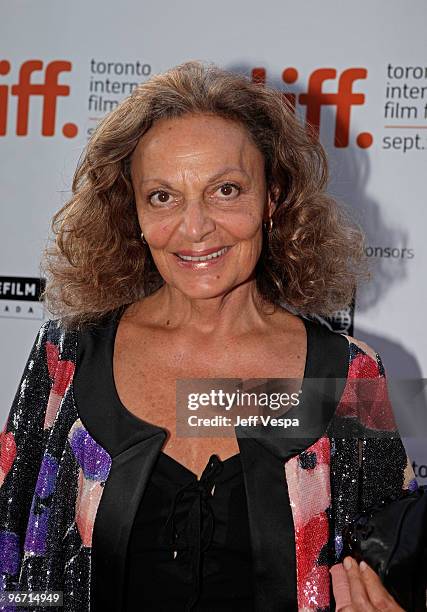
197 534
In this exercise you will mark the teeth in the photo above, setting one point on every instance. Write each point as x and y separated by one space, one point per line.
205 257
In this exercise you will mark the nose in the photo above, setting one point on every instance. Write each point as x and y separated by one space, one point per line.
197 221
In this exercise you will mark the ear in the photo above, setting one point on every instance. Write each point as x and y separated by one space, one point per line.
271 204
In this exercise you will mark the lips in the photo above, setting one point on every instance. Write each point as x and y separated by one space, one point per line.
202 262
200 253
205 258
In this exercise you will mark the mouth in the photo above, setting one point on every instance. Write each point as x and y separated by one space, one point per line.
208 257
202 261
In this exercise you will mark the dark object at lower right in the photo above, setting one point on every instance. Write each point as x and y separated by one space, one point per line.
392 539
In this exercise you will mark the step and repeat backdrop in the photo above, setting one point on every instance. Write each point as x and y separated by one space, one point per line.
356 71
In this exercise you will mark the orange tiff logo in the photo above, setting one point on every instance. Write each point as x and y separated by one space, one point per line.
342 99
49 90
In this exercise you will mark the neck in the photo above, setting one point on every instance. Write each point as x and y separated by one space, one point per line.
237 312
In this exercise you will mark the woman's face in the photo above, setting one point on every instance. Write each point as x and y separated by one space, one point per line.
199 185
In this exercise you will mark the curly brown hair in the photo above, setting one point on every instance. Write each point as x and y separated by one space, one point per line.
312 260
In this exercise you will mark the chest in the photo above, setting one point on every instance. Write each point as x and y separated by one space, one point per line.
147 366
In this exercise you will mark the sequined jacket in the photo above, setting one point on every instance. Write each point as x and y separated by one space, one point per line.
66 498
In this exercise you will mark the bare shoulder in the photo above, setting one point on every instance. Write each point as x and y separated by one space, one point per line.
285 322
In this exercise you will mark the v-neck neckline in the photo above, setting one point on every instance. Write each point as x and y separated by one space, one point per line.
117 429
114 324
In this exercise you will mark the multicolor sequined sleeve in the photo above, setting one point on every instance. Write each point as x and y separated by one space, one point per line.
359 462
385 467
21 449
369 463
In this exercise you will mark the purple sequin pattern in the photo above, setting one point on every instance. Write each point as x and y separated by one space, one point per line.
92 458
35 540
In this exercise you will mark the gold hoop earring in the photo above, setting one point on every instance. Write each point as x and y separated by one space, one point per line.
143 239
271 225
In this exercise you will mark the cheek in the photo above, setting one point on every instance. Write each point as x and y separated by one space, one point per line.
158 234
244 226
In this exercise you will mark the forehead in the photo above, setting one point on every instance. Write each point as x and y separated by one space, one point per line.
196 139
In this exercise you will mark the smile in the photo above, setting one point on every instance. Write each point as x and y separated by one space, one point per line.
214 255
203 262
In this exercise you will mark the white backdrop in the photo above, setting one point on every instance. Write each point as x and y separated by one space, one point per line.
364 64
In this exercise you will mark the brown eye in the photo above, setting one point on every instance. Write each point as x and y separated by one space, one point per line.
229 189
163 197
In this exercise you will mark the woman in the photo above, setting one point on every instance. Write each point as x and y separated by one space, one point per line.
101 499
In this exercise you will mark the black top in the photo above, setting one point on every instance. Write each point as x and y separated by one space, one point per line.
189 546
189 549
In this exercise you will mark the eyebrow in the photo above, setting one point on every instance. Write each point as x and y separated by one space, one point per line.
211 180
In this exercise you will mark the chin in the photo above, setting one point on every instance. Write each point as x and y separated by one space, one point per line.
203 293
